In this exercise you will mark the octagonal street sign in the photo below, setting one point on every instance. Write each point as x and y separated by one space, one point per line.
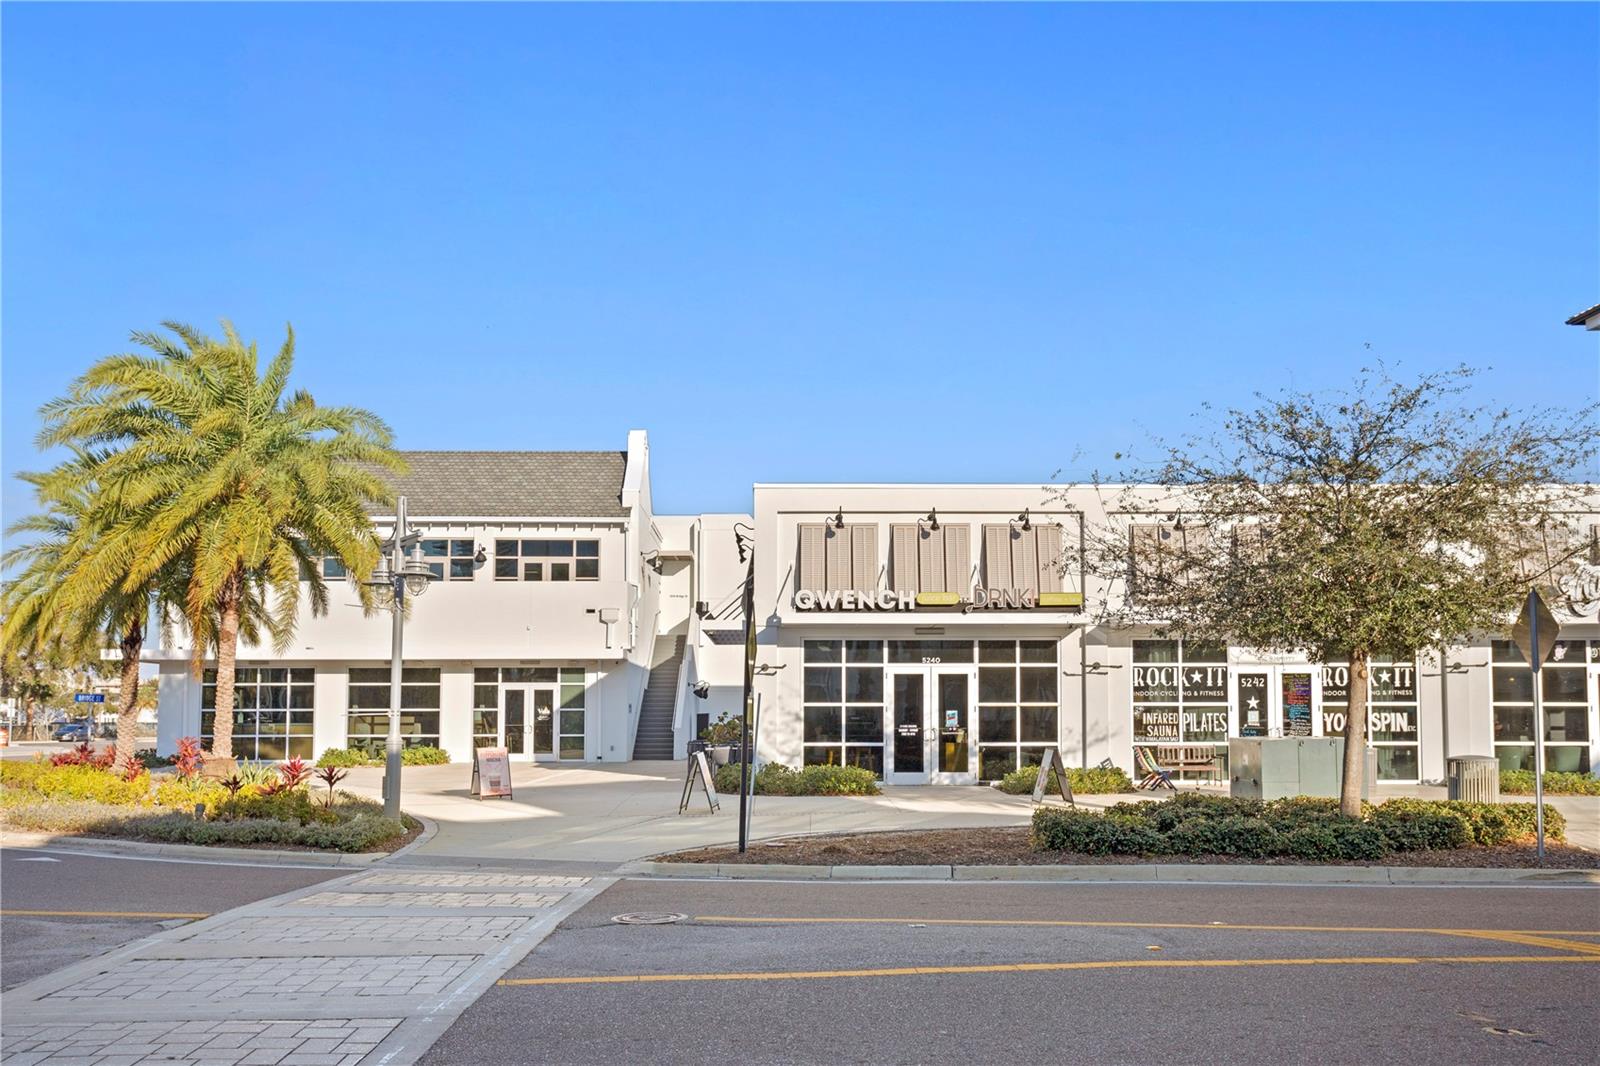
1535 631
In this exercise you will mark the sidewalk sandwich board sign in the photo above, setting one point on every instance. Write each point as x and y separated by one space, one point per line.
699 770
491 772
1052 761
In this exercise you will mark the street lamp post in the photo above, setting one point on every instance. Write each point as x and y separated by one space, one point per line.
398 576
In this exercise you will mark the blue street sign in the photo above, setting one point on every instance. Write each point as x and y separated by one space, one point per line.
89 697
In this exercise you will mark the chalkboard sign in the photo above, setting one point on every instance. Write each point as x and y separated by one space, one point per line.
1297 705
491 772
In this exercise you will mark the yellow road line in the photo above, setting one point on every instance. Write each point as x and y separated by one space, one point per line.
1039 967
103 914
1533 940
1491 933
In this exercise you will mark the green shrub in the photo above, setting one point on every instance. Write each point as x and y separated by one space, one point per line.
1556 783
1332 840
1415 825
1292 812
346 757
361 830
1502 823
424 755
292 805
1091 782
1186 806
183 794
77 782
1067 829
776 779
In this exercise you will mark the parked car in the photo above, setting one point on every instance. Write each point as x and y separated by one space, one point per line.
76 732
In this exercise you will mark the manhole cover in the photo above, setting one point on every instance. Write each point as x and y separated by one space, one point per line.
648 918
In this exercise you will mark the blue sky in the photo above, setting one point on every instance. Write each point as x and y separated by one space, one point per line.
804 243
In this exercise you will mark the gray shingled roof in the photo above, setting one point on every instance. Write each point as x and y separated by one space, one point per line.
513 484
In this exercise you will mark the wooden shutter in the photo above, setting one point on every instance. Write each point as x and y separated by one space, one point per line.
1048 538
838 556
812 565
863 557
930 560
1025 558
997 557
957 559
903 557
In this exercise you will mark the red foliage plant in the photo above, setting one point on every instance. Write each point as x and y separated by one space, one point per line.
189 756
294 772
83 755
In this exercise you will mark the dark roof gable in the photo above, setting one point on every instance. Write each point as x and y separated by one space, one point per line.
512 484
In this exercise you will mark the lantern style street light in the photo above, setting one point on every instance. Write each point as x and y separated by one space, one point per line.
400 575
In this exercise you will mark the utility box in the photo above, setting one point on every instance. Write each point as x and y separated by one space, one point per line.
1278 767
1475 778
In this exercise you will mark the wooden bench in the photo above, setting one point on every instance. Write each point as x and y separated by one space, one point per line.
1188 759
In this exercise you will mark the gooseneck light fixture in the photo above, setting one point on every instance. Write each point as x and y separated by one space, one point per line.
402 574
932 519
1023 521
838 519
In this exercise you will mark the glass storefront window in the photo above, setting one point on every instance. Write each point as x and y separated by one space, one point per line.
1180 694
1392 714
1565 685
367 723
843 704
1018 704
273 710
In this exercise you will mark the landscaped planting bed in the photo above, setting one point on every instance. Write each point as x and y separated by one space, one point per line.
1085 782
1198 828
263 805
775 779
1556 783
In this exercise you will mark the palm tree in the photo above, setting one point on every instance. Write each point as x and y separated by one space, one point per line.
208 464
55 601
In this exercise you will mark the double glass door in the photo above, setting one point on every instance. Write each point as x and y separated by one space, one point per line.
528 720
929 711
1276 701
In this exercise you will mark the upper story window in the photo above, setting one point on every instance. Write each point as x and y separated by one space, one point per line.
450 559
547 560
331 566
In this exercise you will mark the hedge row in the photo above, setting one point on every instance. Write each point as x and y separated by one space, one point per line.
419 755
360 833
1300 828
776 779
1090 782
1556 783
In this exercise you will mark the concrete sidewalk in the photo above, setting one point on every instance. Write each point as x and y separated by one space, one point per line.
628 811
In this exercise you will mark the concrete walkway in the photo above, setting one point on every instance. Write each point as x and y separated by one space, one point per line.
372 967
627 811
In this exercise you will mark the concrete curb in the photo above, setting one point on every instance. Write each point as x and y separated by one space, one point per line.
1168 873
252 856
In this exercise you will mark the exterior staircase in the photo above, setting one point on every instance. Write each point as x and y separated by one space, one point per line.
654 738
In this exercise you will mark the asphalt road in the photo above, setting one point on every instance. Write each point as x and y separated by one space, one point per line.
1146 979
95 904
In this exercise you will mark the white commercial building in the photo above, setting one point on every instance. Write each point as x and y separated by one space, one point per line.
932 633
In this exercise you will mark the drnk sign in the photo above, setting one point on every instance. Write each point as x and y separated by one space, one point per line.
89 697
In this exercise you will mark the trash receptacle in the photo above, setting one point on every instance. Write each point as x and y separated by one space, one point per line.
1475 778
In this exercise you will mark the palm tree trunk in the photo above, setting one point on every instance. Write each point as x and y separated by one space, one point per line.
227 651
128 698
1355 737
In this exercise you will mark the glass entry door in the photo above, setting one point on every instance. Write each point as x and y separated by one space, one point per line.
908 718
952 729
930 726
529 721
514 719
1276 701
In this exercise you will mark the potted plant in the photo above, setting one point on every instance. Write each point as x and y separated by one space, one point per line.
722 740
